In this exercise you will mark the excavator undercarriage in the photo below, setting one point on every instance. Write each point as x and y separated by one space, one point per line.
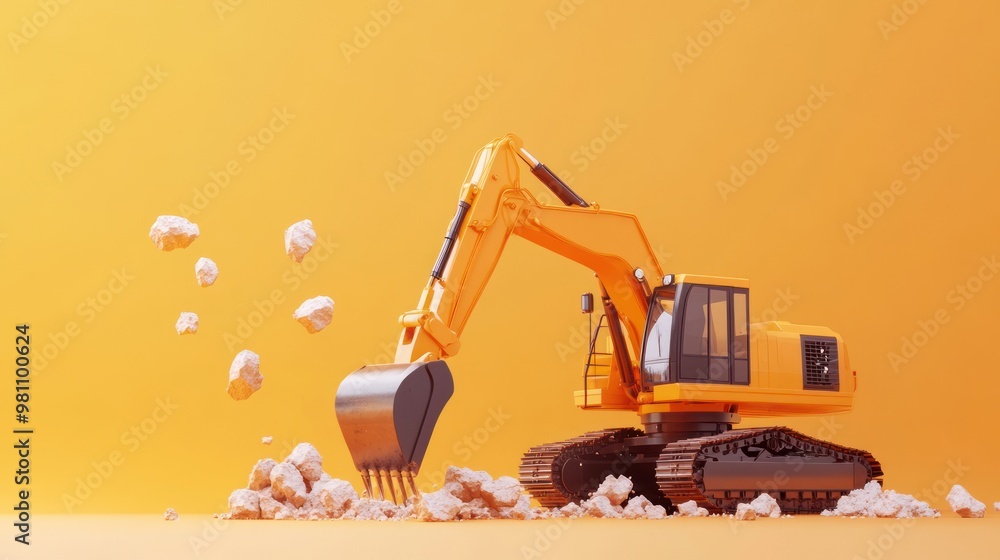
699 457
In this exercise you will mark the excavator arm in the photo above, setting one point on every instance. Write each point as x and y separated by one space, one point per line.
388 412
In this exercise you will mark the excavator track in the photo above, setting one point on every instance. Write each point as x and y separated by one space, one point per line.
804 474
542 467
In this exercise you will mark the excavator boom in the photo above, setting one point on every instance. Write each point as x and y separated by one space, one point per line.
387 412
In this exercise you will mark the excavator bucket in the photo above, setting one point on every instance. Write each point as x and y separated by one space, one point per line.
387 414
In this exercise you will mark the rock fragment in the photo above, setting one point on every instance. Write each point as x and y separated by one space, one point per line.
765 506
173 232
572 510
963 503
260 476
307 460
288 484
616 490
333 497
206 271
299 239
601 506
244 504
266 440
269 507
244 375
520 510
170 514
315 313
996 506
502 492
690 509
437 506
745 512
187 323
656 512
465 484
636 508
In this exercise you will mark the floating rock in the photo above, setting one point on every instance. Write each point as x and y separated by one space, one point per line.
206 271
963 503
266 440
745 512
315 314
170 514
288 484
244 504
187 323
173 232
996 506
307 460
690 509
260 476
299 239
765 506
244 375
616 490
872 501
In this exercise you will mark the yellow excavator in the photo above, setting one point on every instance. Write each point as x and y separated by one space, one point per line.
678 349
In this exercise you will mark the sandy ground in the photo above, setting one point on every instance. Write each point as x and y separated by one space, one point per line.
195 536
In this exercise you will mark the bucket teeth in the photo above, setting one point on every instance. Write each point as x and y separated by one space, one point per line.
409 478
386 482
392 489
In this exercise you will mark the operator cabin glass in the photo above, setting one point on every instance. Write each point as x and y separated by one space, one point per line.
656 354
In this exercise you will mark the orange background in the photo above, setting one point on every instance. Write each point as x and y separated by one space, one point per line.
559 72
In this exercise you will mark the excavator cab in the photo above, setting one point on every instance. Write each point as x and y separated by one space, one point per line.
697 332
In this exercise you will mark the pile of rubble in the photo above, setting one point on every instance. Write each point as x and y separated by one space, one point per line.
297 488
871 501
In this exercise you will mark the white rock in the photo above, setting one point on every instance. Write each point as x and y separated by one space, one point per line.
502 492
266 440
244 504
573 510
170 514
299 239
288 485
690 509
636 508
745 512
996 506
315 314
520 510
871 501
656 512
260 476
964 504
765 506
330 497
307 460
173 232
601 506
206 271
465 484
615 489
437 506
244 375
187 323
269 507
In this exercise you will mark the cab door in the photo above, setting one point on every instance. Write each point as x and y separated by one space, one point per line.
712 343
